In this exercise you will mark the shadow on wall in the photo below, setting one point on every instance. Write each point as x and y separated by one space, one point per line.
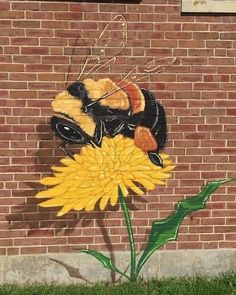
42 222
28 215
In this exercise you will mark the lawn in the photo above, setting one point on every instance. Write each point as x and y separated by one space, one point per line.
221 285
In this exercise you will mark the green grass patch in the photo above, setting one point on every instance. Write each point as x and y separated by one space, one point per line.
221 285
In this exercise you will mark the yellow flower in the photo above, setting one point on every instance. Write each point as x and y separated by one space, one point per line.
97 173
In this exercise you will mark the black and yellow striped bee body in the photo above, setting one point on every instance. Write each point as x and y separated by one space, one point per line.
89 110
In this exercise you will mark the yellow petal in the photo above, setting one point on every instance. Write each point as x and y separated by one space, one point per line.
123 189
53 202
68 161
160 175
63 169
56 191
113 193
64 210
159 182
51 180
147 184
80 204
164 156
132 186
167 163
91 204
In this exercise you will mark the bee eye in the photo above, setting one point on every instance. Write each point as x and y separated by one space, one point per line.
68 132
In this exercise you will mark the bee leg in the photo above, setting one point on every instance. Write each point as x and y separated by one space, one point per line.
66 151
99 133
155 158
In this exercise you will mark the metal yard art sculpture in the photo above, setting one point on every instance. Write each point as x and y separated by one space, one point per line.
122 129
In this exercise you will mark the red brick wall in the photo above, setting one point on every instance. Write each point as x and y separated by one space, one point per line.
198 93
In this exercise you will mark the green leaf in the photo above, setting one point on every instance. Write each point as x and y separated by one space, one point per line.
167 229
106 261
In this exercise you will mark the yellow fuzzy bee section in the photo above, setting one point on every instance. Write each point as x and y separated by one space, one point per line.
64 103
96 89
96 174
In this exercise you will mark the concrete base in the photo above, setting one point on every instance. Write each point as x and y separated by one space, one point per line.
40 268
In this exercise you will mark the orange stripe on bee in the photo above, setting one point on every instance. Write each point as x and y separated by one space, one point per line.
135 96
96 89
144 139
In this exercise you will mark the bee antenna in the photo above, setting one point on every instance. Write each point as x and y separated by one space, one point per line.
93 102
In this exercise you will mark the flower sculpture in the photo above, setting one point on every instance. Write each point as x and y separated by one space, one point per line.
97 173
105 174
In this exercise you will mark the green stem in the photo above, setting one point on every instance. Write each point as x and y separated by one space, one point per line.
125 209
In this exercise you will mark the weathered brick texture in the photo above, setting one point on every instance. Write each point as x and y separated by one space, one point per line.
198 92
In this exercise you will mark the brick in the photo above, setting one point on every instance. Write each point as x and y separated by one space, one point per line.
45 24
11 49
53 241
77 16
25 6
222 27
67 34
190 245
219 44
14 85
210 245
42 15
84 7
26 59
112 8
26 24
205 35
24 41
33 250
12 32
53 7
39 33
220 61
195 27
7 14
26 242
216 78
52 41
80 240
13 251
5 23
22 77
178 35
55 60
227 244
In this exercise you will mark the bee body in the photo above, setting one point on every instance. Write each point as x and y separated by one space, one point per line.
90 110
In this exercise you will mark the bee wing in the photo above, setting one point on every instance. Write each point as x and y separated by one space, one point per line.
139 73
110 43
158 65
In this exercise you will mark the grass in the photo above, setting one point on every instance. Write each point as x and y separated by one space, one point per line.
221 285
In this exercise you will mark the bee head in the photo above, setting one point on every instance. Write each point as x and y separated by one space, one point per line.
70 123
